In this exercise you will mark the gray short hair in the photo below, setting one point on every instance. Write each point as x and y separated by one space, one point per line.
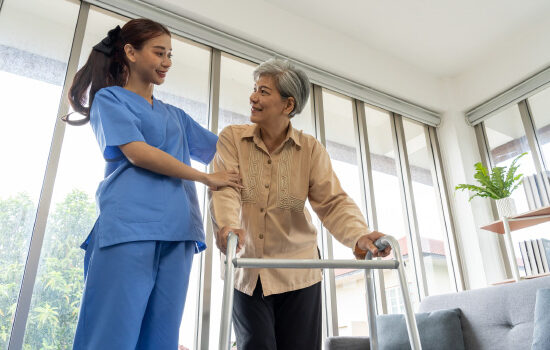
289 80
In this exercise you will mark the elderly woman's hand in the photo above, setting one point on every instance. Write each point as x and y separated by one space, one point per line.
366 242
223 234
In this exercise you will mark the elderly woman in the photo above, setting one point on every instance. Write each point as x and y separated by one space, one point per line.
281 168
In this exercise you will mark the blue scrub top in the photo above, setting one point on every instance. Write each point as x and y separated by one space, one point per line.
134 203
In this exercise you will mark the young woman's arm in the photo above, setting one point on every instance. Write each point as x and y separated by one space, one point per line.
153 159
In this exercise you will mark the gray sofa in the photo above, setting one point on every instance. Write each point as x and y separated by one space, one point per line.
498 317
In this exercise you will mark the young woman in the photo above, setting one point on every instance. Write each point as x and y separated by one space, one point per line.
139 253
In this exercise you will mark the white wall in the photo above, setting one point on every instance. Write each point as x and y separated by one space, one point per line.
301 39
482 261
511 61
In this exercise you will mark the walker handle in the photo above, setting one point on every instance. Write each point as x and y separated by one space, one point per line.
380 245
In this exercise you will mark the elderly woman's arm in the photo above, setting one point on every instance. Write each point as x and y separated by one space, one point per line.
225 204
337 211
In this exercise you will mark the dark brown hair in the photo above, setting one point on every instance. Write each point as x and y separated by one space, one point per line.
103 70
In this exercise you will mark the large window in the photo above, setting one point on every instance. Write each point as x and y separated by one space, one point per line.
33 64
33 61
506 140
58 288
388 200
236 85
431 230
59 282
540 111
341 144
524 127
187 87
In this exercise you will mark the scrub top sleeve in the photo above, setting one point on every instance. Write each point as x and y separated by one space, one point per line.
113 124
201 142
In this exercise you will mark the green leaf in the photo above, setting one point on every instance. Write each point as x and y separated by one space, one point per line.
498 183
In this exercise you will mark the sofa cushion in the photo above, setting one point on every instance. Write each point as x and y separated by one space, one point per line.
541 333
347 343
498 317
438 330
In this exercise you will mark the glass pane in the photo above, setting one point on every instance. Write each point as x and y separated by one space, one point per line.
388 202
506 139
33 62
342 148
540 109
80 171
187 87
305 120
59 283
236 85
432 232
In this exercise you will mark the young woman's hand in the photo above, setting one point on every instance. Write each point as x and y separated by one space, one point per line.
223 178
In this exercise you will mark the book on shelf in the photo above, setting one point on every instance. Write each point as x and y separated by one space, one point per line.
532 192
525 258
535 254
531 257
538 258
544 256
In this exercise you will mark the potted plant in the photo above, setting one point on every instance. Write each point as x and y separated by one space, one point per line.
497 184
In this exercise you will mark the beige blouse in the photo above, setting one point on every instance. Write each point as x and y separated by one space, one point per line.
271 206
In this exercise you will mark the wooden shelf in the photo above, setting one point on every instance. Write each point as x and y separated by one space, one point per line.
532 218
536 276
511 280
514 223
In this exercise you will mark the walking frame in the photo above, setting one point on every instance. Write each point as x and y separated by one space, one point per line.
368 265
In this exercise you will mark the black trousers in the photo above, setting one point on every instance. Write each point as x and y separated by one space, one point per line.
286 321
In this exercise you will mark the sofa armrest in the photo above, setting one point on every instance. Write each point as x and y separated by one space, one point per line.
347 343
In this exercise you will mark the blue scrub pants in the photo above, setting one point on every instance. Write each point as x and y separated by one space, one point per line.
134 294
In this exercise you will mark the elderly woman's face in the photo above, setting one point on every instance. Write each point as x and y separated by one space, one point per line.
266 101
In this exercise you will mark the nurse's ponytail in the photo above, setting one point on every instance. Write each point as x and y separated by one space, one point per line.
107 64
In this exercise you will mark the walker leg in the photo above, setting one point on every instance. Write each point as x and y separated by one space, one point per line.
371 308
412 329
228 293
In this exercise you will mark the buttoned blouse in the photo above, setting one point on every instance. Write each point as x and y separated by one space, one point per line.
271 207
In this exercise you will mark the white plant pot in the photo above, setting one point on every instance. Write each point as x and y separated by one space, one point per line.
506 207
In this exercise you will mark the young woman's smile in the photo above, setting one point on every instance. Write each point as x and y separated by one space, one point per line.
154 60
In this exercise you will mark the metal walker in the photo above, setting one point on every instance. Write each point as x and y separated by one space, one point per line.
368 265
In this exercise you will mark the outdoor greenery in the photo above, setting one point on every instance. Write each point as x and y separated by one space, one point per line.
56 297
496 184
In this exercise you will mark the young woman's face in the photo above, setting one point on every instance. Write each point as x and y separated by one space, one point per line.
266 102
153 61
